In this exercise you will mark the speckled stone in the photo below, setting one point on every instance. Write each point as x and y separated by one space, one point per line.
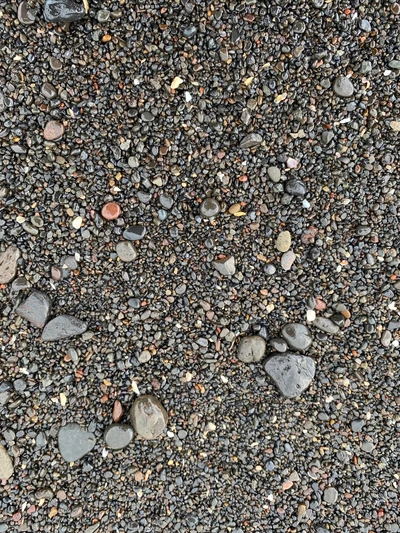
148 417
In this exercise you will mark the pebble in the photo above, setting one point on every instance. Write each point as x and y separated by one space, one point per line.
295 187
103 15
274 174
226 266
111 211
386 338
8 264
126 251
134 233
53 131
6 464
210 207
118 436
278 345
63 327
20 284
48 91
36 308
343 87
118 411
251 141
326 325
144 356
311 315
364 25
25 14
251 349
148 417
395 64
284 241
57 273
166 201
291 373
357 425
330 495
287 260
74 442
63 11
297 336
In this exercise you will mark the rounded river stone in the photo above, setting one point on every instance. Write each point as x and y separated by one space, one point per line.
148 416
297 336
251 349
118 436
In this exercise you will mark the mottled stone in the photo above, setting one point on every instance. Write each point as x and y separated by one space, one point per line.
287 260
134 233
148 416
126 251
297 336
326 325
63 327
291 373
225 266
210 207
63 11
343 87
284 241
251 349
8 264
53 131
118 436
36 308
6 464
251 141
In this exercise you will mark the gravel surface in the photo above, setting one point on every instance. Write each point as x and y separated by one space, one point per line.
177 177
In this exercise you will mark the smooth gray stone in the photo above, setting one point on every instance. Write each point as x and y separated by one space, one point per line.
251 349
330 495
226 266
63 327
63 11
118 436
134 233
36 308
325 324
6 464
343 87
297 336
210 207
74 442
279 345
291 373
148 416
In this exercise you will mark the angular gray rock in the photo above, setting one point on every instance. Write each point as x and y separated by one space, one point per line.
63 11
226 266
126 251
291 373
330 495
251 349
74 442
36 308
251 141
118 436
343 87
148 416
8 264
63 327
326 325
297 336
6 464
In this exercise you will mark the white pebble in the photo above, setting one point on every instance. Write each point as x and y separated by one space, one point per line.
77 222
188 96
310 315
306 204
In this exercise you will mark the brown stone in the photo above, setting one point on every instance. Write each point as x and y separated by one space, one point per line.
111 211
118 411
53 131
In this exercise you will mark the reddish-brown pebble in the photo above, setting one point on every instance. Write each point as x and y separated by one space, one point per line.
287 485
111 211
53 131
118 411
319 304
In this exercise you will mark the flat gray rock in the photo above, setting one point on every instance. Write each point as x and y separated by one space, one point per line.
330 495
6 464
118 436
297 336
36 308
74 442
63 11
343 87
226 266
8 264
326 325
126 251
251 141
251 349
291 373
63 327
148 416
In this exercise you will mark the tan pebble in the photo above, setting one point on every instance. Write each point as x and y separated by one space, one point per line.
53 131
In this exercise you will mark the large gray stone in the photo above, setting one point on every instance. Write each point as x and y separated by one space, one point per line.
63 11
297 336
8 264
74 442
148 416
118 436
6 464
226 266
291 373
343 87
36 308
63 327
251 141
251 349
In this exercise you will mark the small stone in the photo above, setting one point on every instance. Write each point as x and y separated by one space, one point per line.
36 308
8 264
330 495
118 411
274 174
77 222
251 141
144 356
63 327
364 25
357 425
48 91
287 260
20 284
147 116
74 442
210 207
365 67
278 345
291 373
326 325
225 266
395 64
343 87
53 131
367 446
134 233
148 417
386 338
166 201
251 349
284 241
118 436
55 64
189 32
103 16
25 15
295 187
6 464
311 315
63 11
57 273
297 336
126 251
111 211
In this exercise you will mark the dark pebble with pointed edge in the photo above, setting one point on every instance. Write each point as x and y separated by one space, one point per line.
36 308
63 327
